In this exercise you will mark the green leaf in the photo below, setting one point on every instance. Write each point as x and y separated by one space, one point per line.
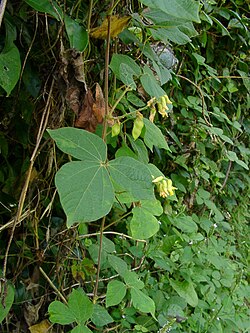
142 302
185 9
140 149
119 59
10 68
185 224
126 74
46 6
132 280
100 316
9 299
186 290
78 36
152 206
81 329
79 309
116 291
60 313
80 306
107 245
133 176
118 264
151 85
143 224
85 191
79 143
153 136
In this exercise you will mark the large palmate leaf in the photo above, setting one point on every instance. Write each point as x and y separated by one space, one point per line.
186 9
85 191
86 187
79 143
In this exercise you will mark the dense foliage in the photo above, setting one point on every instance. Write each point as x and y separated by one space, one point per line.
124 180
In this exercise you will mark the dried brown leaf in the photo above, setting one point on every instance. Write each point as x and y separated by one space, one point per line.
43 327
116 26
99 104
86 118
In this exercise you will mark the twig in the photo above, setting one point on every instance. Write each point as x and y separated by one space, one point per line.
22 198
227 175
3 4
99 261
203 104
53 286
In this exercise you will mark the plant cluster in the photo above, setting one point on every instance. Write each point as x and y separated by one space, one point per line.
124 187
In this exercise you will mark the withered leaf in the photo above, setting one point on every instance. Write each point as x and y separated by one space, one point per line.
116 26
86 119
99 104
43 327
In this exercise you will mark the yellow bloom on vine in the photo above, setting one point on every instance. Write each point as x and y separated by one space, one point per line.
164 186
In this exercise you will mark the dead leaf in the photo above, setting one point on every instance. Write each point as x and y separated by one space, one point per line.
31 312
43 327
117 25
86 119
99 104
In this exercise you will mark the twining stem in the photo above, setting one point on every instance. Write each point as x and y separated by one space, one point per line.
104 132
99 261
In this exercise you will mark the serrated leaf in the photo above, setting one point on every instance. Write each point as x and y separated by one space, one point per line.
186 290
142 302
116 291
185 9
143 224
100 316
133 176
79 143
78 36
8 301
153 136
10 68
85 191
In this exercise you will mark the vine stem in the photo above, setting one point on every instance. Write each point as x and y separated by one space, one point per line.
104 132
99 261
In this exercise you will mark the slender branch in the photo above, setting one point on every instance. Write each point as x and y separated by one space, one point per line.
53 286
99 260
3 4
203 104
22 198
227 175
106 82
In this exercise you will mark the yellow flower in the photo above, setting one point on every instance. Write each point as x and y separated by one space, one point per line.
164 186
